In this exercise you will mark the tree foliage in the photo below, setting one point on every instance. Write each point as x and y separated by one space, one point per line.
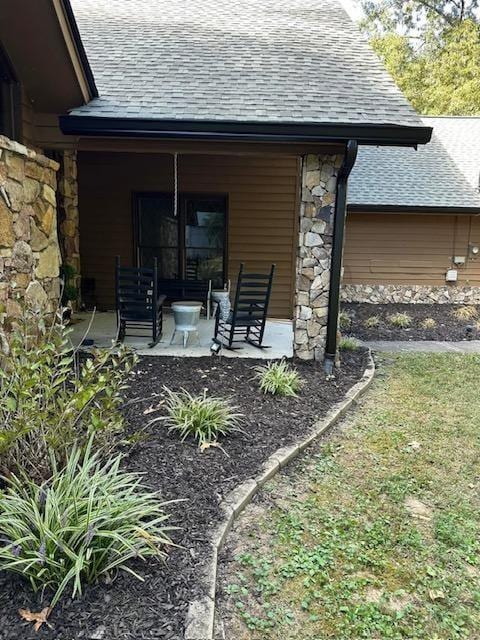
432 49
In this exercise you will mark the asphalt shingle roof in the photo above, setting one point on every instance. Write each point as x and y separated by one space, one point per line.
248 60
461 138
427 177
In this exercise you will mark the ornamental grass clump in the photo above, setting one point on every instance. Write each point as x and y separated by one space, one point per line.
400 320
344 320
88 520
428 323
372 322
465 312
201 417
51 401
278 378
349 344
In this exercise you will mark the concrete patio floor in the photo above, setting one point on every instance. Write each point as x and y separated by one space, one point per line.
278 336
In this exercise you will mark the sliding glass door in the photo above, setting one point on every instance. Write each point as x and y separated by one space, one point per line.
191 245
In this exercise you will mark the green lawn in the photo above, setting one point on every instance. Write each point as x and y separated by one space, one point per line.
375 534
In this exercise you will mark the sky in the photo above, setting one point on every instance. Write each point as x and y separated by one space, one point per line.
353 8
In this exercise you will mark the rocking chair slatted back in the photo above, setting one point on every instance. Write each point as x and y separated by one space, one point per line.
249 313
139 306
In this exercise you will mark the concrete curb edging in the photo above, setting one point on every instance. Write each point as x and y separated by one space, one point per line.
199 624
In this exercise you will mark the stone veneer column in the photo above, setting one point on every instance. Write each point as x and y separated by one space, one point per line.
319 179
68 217
29 254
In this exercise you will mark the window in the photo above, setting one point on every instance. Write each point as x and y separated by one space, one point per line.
191 246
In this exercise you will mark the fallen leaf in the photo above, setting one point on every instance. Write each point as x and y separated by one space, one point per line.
206 445
436 595
152 409
38 618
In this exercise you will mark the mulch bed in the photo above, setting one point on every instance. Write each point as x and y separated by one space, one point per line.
448 327
156 608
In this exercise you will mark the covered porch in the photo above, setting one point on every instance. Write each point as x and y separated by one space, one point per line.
101 328
202 210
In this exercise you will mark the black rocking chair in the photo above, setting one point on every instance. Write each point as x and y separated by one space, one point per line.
138 304
249 314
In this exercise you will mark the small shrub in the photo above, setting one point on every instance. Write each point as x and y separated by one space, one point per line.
372 322
428 323
466 312
400 320
344 320
202 417
278 378
89 519
50 402
348 344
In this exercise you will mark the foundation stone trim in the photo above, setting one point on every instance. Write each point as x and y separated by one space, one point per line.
414 294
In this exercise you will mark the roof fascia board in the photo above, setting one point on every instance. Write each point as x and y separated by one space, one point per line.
251 131
74 44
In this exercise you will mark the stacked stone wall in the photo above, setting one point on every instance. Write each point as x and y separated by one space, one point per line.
415 294
319 180
68 217
29 252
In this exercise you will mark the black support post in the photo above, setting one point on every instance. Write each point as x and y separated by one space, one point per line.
337 254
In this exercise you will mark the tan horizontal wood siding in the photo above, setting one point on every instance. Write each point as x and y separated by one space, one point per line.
409 248
262 205
28 129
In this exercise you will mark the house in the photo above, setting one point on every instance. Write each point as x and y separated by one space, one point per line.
413 224
155 113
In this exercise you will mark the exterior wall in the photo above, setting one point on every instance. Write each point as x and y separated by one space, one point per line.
404 257
29 255
262 203
319 179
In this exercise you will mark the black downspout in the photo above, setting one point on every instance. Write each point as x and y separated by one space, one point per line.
337 254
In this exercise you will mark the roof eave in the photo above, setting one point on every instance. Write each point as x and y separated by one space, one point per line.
368 134
79 48
398 208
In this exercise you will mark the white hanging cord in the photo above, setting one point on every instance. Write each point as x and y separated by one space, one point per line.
175 180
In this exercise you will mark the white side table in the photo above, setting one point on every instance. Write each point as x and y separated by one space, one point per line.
187 316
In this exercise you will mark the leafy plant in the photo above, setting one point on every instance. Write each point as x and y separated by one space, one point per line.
428 323
465 312
372 322
203 417
431 48
400 320
344 320
70 291
278 378
348 344
49 401
89 519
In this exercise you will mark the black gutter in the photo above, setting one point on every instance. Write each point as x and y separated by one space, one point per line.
392 208
283 132
81 49
337 254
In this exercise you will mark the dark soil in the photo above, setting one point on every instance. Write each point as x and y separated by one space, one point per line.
448 327
133 610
